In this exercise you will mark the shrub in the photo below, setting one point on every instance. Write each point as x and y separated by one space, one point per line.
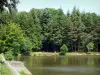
9 55
90 46
63 49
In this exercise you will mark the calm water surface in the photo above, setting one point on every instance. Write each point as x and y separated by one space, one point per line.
60 65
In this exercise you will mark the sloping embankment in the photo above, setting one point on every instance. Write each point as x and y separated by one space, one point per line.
15 66
19 66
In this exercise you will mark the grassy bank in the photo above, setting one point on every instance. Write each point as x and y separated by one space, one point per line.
44 54
57 54
4 70
83 53
22 73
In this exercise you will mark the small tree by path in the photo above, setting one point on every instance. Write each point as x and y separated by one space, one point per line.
90 46
63 49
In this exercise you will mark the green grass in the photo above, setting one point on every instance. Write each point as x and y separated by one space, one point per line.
4 70
44 54
68 53
2 59
22 73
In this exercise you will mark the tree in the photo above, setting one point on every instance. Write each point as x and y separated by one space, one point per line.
58 26
35 29
87 20
10 4
68 33
77 28
48 29
90 46
12 39
63 49
96 36
5 17
30 24
44 22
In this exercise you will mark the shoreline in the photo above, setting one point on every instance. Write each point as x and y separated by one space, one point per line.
67 54
83 53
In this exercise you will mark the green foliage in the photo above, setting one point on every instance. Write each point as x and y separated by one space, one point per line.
13 39
22 73
2 59
90 46
58 26
25 46
30 30
4 70
29 23
63 49
11 5
9 55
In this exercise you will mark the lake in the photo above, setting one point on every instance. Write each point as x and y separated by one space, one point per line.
62 65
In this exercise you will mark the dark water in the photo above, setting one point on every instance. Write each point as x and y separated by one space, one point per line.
69 65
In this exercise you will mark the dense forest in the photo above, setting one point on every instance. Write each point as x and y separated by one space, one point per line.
48 29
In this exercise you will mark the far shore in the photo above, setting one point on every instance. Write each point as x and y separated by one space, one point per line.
83 53
67 54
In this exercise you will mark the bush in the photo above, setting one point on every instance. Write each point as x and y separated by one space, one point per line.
90 46
63 49
9 55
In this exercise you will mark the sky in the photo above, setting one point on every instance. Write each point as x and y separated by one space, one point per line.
83 5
